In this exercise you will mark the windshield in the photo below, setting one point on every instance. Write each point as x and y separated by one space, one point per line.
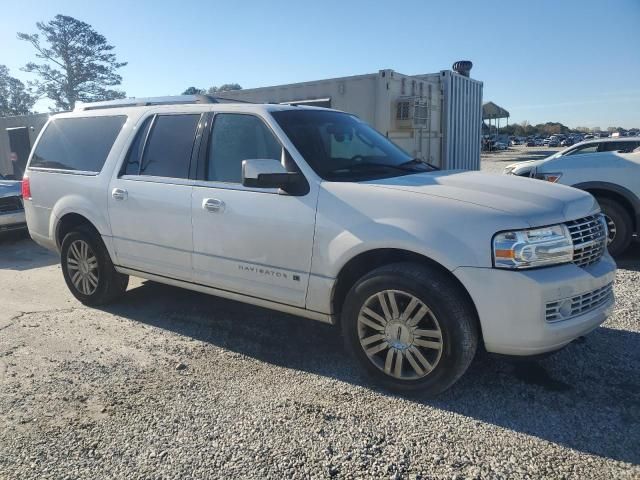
341 147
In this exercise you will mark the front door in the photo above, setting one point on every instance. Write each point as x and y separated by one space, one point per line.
150 199
252 241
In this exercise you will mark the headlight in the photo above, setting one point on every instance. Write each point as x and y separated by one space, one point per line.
549 177
509 169
532 248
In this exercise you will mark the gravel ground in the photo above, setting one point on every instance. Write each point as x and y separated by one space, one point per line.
175 384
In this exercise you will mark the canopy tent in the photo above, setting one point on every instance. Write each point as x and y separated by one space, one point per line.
493 113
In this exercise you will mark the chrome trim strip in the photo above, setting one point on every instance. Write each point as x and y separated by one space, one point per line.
63 171
260 302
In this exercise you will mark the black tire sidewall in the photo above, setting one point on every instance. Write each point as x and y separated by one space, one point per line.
105 267
622 221
450 310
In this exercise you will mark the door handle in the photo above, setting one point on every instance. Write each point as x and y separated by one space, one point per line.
119 194
213 205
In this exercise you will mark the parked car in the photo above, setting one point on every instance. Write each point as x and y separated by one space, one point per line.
311 211
553 143
626 145
539 142
531 143
499 146
11 208
567 142
613 178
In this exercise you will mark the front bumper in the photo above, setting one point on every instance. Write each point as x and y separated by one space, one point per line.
12 220
512 305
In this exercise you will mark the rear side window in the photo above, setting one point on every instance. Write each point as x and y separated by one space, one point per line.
81 144
168 149
131 165
622 147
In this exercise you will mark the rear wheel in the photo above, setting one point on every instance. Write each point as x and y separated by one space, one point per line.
411 327
88 270
619 225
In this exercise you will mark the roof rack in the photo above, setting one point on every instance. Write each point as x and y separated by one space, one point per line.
149 101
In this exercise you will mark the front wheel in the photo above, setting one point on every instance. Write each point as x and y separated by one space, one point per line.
88 270
411 327
619 226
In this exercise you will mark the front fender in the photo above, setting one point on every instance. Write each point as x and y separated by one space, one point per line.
352 220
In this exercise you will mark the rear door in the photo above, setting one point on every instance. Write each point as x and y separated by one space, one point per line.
252 241
150 198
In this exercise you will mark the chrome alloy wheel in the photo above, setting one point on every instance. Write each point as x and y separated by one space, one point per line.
82 265
611 229
400 335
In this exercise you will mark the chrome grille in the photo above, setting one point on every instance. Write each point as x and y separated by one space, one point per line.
589 235
574 306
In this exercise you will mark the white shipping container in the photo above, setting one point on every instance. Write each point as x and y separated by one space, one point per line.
436 117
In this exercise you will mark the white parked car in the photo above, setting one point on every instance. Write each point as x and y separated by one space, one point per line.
622 145
311 211
606 169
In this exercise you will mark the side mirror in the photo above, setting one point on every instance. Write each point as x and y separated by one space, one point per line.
267 173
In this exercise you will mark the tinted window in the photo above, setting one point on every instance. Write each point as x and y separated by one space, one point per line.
235 138
168 150
591 148
77 143
131 165
623 147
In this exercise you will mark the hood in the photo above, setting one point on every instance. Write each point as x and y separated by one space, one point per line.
538 203
10 188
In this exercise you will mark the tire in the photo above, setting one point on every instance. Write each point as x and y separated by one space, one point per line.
620 226
93 282
446 336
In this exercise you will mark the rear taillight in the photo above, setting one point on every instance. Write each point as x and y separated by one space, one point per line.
26 188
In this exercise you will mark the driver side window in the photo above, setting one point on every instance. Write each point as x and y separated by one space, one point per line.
586 149
234 138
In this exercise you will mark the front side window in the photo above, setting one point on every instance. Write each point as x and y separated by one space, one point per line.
80 144
167 152
591 148
234 138
341 147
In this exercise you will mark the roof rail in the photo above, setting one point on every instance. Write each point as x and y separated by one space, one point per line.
149 101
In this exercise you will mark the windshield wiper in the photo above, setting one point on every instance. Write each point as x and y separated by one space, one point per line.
418 161
368 165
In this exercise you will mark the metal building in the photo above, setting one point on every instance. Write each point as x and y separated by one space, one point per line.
436 117
17 135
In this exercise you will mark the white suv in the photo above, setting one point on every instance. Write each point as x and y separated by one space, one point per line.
311 211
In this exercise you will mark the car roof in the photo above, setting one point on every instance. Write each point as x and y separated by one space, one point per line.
609 140
181 103
136 110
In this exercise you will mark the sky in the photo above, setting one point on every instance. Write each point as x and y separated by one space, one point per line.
575 62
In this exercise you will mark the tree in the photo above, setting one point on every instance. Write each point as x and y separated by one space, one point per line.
78 63
225 87
193 91
15 99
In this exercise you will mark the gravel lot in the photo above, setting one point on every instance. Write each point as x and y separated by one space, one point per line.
495 162
175 384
